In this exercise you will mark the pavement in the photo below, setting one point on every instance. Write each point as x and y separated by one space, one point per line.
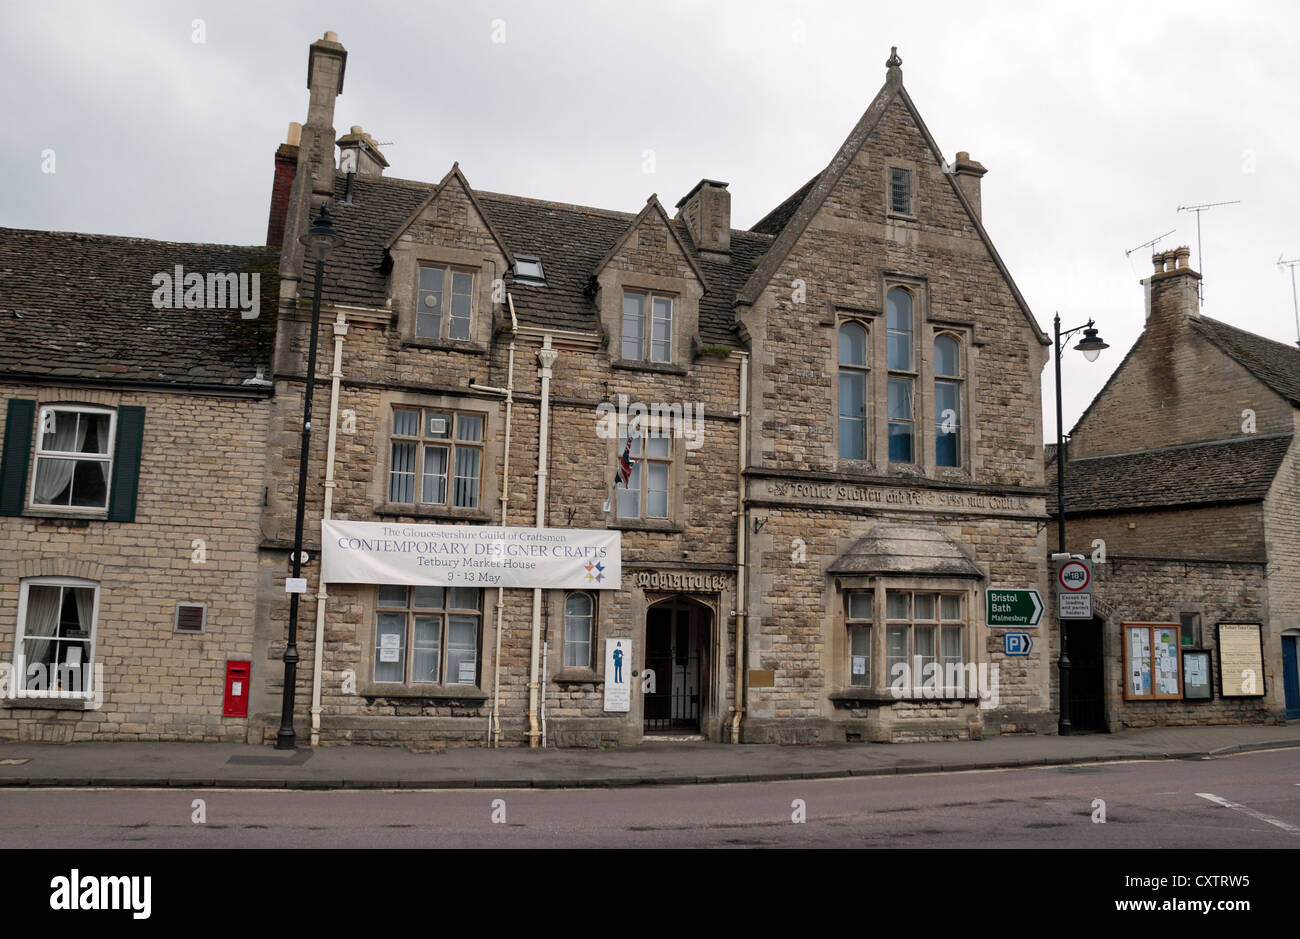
653 763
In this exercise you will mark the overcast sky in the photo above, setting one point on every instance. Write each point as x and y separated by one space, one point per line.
1094 125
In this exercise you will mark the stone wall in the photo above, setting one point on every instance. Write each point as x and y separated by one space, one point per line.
194 540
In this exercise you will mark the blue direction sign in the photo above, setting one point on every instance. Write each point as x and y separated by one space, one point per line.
1005 606
1017 643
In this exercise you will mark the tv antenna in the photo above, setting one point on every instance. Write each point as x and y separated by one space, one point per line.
1292 264
1200 259
1151 243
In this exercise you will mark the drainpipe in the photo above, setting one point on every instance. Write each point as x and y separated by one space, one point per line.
742 529
494 729
546 357
318 645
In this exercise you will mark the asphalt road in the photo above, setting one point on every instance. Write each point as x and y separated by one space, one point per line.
1166 804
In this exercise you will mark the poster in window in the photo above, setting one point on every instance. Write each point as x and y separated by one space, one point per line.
1168 680
1196 676
859 665
1241 660
1138 662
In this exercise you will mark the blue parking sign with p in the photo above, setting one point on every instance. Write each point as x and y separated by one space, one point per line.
1017 643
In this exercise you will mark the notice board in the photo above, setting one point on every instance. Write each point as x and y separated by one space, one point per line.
1241 660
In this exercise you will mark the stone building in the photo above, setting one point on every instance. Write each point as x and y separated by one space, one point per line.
1183 483
135 419
842 451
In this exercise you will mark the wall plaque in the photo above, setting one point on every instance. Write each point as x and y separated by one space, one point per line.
1241 660
681 580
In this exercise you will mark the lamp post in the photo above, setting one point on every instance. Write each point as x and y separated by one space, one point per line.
1090 345
319 240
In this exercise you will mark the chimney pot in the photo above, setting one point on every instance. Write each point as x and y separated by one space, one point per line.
331 36
294 136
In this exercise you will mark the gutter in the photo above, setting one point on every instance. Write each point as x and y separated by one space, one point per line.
318 644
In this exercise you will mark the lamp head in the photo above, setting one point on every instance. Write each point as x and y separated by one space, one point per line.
1091 344
322 237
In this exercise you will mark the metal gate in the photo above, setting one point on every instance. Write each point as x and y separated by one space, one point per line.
1087 675
673 640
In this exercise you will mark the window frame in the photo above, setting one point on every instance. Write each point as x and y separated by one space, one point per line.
893 210
594 601
958 383
640 473
942 625
448 292
852 624
18 676
39 453
864 373
412 610
422 441
895 374
532 280
646 340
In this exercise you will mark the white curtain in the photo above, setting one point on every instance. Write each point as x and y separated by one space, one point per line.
53 476
42 624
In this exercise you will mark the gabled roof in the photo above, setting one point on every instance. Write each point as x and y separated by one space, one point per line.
453 174
74 305
806 207
652 205
1276 364
571 240
774 221
1220 472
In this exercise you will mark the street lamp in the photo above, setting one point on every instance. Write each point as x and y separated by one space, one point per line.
319 240
1090 345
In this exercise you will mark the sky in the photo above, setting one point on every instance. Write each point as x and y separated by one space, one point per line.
1096 122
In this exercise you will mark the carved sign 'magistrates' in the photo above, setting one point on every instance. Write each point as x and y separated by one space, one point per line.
681 580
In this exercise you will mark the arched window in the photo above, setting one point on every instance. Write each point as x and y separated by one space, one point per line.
898 309
579 609
853 391
947 401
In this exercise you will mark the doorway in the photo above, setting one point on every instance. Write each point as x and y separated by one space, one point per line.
1087 705
677 665
1291 675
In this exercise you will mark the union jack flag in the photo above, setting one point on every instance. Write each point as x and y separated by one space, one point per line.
623 472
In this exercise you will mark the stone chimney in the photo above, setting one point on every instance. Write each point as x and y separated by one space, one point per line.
1173 289
968 174
286 167
359 150
706 210
313 183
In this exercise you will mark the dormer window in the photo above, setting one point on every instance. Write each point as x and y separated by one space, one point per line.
444 303
647 341
528 270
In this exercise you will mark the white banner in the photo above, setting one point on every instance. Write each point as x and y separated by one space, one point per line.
469 555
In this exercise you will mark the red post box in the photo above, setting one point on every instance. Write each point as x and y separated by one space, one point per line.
237 673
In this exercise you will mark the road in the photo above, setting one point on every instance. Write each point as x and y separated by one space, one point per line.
1249 800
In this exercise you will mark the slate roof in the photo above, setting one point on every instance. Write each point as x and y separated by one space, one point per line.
905 549
570 240
1240 470
81 306
1274 363
774 221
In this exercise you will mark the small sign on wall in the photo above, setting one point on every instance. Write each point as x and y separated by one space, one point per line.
618 671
